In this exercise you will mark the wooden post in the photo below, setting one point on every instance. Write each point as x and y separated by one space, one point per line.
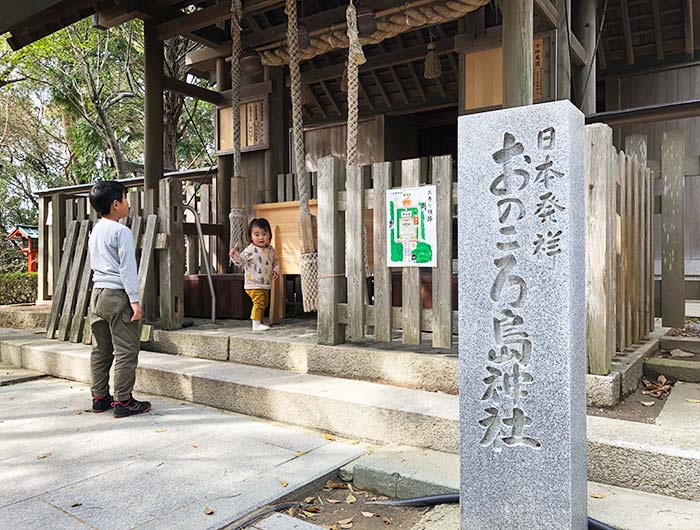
153 136
412 304
73 281
629 249
192 240
621 201
636 147
278 135
381 175
517 52
354 238
442 275
600 249
331 251
584 26
564 50
672 233
61 281
650 249
636 250
58 232
43 280
277 296
224 166
171 259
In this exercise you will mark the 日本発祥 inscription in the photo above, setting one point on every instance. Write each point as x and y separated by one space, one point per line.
522 319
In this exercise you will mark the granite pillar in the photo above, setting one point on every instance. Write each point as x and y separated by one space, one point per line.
522 319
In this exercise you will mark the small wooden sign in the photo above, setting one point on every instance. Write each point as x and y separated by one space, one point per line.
254 126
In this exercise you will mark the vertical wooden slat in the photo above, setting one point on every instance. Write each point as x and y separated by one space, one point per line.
672 213
621 308
43 269
354 237
136 234
410 281
147 259
613 240
77 266
81 208
442 275
600 223
277 297
60 284
171 259
636 240
58 233
280 188
643 272
206 217
289 187
629 235
650 250
381 174
192 241
81 306
331 250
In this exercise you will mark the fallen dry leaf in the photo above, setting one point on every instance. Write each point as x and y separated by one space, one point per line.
351 499
312 509
598 496
76 504
647 403
284 483
345 523
367 514
693 400
678 353
659 389
208 511
333 485
344 526
386 521
43 455
309 500
354 442
301 453
160 430
329 437
332 501
195 446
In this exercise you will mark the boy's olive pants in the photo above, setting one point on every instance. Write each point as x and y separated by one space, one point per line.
115 339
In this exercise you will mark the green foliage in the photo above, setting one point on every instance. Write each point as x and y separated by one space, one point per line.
18 288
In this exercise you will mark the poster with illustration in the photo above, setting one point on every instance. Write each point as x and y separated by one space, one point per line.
411 227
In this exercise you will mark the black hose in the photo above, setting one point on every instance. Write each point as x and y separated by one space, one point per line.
453 498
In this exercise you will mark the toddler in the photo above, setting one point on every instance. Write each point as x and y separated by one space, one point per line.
260 265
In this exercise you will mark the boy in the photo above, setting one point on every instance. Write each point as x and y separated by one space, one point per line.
115 308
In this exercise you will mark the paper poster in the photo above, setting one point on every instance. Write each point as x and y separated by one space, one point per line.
412 233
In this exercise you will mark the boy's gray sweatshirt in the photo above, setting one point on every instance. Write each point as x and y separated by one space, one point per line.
113 258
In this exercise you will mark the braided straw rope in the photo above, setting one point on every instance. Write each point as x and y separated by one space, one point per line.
393 25
236 84
297 120
355 58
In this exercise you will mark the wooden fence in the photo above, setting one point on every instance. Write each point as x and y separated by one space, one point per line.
619 248
345 310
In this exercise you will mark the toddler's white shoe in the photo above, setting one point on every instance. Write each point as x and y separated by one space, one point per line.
259 326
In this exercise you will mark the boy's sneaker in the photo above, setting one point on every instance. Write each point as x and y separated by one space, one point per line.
122 409
101 404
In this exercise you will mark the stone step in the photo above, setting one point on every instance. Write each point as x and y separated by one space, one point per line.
24 316
294 347
405 472
356 409
626 454
12 375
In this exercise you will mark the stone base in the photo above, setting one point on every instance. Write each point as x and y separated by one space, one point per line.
24 316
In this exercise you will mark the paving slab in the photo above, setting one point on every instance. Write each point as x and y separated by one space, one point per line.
63 467
10 374
682 409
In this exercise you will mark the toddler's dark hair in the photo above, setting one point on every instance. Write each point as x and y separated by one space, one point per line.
261 223
104 193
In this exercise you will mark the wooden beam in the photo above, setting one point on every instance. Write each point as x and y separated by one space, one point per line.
584 24
396 79
419 85
657 30
600 55
309 91
517 52
206 17
648 114
188 89
381 88
563 44
688 28
365 95
629 47
578 52
550 13
330 97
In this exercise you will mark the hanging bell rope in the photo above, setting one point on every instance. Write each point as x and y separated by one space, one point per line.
394 21
238 218
308 262
356 57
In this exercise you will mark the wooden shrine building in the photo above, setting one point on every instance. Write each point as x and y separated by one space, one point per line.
627 63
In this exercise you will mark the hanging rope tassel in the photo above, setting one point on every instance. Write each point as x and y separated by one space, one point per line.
238 219
309 257
433 68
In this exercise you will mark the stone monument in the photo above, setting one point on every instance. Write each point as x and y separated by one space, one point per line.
522 319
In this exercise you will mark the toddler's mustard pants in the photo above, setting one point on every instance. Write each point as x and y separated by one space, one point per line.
260 298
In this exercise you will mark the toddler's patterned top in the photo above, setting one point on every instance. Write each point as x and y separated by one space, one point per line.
258 264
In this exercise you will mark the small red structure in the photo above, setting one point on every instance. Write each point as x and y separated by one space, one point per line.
30 243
